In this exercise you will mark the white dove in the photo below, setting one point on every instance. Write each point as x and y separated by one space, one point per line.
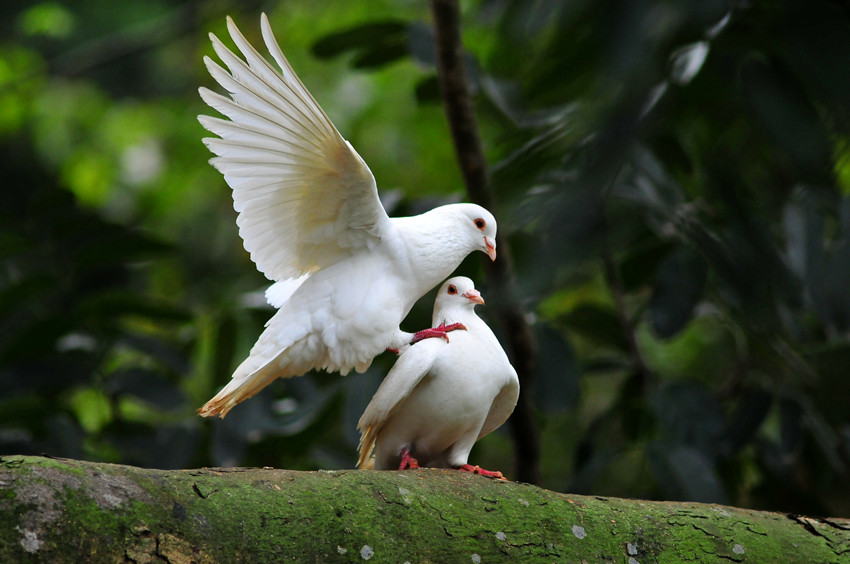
440 397
346 274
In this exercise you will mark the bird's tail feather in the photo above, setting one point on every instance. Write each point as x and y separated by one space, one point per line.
366 448
244 384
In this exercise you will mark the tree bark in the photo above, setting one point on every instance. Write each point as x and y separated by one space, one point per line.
58 510
457 100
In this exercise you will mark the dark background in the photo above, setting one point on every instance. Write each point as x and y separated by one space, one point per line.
672 177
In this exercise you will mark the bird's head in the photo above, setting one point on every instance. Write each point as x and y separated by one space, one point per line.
480 225
458 292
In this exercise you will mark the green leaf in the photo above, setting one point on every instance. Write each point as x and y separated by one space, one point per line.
91 408
745 421
48 19
639 267
830 397
34 339
688 414
780 104
555 376
111 246
790 426
371 35
118 303
685 474
147 385
379 55
25 293
679 286
597 323
428 90
164 352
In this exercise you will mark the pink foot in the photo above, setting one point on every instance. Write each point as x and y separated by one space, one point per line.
439 331
407 461
478 470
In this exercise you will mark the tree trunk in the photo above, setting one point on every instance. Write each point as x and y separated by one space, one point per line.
57 510
460 112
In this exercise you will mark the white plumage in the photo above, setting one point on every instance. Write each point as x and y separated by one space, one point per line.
308 211
441 397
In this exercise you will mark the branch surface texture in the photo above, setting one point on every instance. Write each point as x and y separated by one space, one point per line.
57 510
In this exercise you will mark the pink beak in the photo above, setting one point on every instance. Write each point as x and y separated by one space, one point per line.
491 247
474 296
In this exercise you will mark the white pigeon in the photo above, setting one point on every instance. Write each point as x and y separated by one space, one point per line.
440 397
346 274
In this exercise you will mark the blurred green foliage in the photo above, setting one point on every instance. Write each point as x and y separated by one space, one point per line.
673 178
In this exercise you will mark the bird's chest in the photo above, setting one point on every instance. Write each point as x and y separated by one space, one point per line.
464 388
442 412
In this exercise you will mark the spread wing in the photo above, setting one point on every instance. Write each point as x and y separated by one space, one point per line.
409 369
304 196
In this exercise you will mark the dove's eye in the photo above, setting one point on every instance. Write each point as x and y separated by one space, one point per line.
452 290
480 224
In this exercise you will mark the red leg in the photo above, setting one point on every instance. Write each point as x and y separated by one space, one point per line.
407 461
477 470
439 331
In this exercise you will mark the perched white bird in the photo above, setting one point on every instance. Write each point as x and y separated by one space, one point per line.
346 274
441 397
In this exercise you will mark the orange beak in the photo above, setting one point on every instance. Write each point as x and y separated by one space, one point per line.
491 247
474 296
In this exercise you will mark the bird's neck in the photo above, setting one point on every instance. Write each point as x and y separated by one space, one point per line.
432 248
453 315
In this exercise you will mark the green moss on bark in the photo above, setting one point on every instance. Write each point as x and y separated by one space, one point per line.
68 511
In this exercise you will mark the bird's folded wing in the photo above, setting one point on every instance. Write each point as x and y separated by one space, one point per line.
503 406
409 369
304 196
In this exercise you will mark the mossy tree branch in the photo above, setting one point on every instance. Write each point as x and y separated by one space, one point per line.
56 510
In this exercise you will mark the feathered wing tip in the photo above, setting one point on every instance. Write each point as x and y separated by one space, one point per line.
277 54
240 388
285 81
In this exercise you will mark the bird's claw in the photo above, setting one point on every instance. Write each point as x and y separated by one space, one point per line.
407 461
427 334
482 472
440 331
